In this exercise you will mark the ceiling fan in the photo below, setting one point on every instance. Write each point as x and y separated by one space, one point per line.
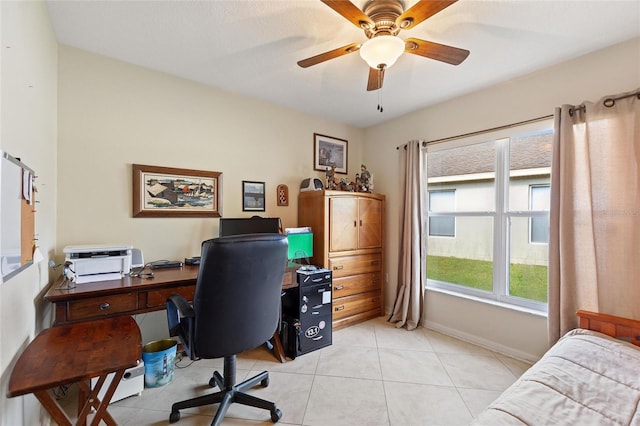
381 21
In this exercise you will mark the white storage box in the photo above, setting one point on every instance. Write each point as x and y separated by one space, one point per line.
132 383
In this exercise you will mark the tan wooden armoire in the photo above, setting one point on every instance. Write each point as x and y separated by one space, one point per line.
348 239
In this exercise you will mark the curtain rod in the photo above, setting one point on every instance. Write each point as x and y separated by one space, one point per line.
609 102
479 132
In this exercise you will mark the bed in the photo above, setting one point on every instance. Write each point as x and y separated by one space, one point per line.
591 376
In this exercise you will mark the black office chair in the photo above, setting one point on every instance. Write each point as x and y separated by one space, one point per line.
236 306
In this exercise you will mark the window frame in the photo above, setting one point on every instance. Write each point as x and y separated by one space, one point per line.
433 213
501 217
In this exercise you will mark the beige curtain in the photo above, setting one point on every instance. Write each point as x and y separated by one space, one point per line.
594 236
407 309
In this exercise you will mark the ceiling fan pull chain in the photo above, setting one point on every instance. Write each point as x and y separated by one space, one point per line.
380 93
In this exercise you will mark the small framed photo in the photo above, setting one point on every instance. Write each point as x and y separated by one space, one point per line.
253 196
171 192
329 151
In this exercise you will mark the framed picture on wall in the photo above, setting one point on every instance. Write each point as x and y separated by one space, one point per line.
172 192
253 196
329 151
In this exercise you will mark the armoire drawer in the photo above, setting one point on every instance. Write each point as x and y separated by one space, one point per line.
358 264
97 307
350 305
355 284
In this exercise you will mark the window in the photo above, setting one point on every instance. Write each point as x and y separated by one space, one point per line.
539 200
491 198
442 201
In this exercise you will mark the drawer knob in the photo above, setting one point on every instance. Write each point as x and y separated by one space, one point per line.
375 262
338 287
375 299
104 306
339 308
337 267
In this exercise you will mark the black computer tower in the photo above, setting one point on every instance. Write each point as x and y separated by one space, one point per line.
306 322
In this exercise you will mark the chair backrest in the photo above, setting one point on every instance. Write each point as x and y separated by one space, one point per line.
237 295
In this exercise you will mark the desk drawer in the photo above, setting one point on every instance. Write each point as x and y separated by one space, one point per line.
102 306
351 305
158 298
359 264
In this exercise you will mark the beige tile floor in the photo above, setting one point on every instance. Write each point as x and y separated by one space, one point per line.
373 374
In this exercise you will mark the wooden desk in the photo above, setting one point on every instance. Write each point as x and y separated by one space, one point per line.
75 353
125 296
132 296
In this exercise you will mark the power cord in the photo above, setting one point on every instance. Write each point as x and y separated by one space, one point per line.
180 355
139 273
60 392
69 281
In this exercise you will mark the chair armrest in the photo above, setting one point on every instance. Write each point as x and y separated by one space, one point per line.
179 304
180 316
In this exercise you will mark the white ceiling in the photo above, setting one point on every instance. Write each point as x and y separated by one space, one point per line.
252 46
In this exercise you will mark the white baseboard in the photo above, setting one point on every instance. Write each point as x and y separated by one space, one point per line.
479 341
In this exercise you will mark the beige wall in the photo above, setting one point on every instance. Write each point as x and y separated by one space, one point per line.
610 71
113 114
28 123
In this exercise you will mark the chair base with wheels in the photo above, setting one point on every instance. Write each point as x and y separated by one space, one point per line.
229 393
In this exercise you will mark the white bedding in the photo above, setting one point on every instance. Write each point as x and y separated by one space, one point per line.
586 378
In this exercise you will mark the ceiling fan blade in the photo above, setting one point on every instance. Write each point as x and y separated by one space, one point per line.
332 54
420 11
376 76
351 13
439 52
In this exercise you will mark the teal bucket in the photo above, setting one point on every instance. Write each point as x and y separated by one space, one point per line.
159 359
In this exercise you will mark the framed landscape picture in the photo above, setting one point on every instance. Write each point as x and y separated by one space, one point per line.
253 196
329 151
172 192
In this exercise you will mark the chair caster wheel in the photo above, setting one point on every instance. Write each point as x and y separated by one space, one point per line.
276 415
264 383
212 382
175 416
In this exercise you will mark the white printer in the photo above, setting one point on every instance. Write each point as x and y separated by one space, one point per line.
98 262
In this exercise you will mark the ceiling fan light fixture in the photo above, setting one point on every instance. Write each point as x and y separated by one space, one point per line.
382 50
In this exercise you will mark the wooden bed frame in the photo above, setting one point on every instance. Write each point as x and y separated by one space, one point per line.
618 327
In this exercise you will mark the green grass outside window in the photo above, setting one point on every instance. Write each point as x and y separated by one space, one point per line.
526 281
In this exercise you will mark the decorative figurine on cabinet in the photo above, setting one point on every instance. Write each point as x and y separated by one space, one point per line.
365 180
344 186
331 177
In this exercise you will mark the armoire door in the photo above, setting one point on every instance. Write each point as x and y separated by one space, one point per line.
343 223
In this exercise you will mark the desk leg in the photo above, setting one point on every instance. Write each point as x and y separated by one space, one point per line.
93 401
278 349
53 408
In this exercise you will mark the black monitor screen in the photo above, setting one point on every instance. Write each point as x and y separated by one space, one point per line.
253 225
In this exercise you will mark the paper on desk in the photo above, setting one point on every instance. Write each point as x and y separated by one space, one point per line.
37 255
27 186
82 279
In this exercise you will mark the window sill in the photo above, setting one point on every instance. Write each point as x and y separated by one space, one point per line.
489 302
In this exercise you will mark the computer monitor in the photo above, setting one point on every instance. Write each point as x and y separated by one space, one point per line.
300 244
249 225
